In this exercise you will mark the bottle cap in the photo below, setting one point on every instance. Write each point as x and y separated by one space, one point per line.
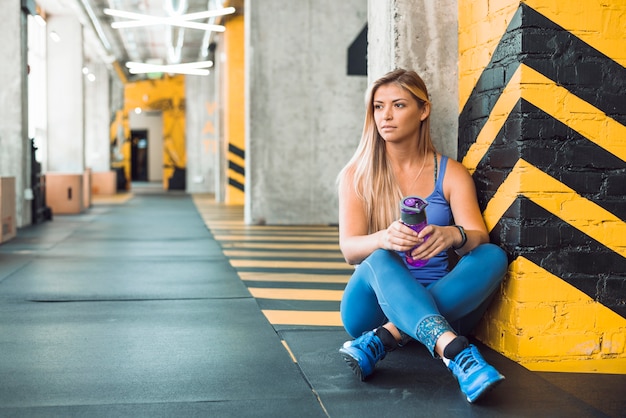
412 210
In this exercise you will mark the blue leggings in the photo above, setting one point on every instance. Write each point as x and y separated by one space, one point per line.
382 289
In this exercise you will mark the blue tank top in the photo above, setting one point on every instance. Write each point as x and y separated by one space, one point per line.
438 212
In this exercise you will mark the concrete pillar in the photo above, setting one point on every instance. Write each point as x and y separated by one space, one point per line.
97 117
202 133
66 142
304 112
542 128
14 141
420 35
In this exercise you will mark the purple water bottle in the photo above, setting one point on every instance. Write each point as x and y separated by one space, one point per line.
413 214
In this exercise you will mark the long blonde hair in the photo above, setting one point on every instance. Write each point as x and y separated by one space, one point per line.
373 178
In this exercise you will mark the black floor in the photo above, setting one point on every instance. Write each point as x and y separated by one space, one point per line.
133 310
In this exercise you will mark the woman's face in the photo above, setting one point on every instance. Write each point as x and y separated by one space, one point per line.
397 114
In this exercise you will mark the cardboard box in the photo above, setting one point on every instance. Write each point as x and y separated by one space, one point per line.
104 183
64 193
8 221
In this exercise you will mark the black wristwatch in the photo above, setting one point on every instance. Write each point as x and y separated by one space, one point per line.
463 237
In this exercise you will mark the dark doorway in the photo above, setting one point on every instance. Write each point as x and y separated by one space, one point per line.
139 155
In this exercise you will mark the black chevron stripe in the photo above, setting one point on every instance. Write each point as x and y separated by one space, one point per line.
554 52
559 151
565 252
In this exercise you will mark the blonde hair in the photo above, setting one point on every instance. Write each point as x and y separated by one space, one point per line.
372 177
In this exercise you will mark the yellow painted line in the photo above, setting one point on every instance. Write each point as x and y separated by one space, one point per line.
605 365
296 294
286 254
287 264
293 277
293 358
313 230
269 238
599 23
560 200
280 246
312 318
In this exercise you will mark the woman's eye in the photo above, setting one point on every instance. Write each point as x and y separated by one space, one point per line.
399 104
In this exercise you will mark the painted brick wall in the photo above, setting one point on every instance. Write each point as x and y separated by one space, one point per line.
543 130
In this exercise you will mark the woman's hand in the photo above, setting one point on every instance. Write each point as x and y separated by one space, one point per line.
399 237
435 239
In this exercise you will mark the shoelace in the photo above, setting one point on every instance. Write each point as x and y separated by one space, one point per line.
466 360
375 346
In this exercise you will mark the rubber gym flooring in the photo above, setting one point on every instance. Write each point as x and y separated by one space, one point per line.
161 304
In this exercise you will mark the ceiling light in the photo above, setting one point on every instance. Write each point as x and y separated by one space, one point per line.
190 68
55 36
138 19
40 20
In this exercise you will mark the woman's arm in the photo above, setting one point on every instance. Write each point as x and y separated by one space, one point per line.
459 190
355 242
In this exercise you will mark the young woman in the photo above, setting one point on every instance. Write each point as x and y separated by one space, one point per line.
388 301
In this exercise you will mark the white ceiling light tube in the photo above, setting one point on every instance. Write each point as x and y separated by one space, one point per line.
138 19
191 68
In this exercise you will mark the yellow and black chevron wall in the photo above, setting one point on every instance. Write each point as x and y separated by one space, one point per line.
234 124
543 130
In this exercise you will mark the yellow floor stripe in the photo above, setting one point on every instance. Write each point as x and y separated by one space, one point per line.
245 248
320 265
270 237
280 246
296 294
293 277
313 318
274 254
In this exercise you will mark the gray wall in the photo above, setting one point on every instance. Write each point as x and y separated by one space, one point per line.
420 35
304 113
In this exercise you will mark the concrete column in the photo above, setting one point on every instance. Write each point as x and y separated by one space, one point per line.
543 129
66 143
304 114
14 141
201 133
97 117
420 35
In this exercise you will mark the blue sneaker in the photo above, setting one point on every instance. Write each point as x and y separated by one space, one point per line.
363 353
475 376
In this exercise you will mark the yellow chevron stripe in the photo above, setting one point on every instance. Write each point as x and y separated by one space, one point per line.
574 112
574 322
498 116
313 318
596 22
556 101
296 294
481 27
560 200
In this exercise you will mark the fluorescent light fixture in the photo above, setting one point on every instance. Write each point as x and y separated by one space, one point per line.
190 68
40 20
55 36
185 21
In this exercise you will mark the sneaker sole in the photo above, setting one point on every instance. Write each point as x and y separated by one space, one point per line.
354 365
486 388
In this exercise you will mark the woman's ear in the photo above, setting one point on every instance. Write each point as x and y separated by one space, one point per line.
425 111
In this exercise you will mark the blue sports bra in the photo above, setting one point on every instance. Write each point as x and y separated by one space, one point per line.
438 212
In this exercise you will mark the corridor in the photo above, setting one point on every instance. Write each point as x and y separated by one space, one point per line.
150 304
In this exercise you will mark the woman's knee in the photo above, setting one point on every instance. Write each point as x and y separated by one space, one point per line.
493 257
